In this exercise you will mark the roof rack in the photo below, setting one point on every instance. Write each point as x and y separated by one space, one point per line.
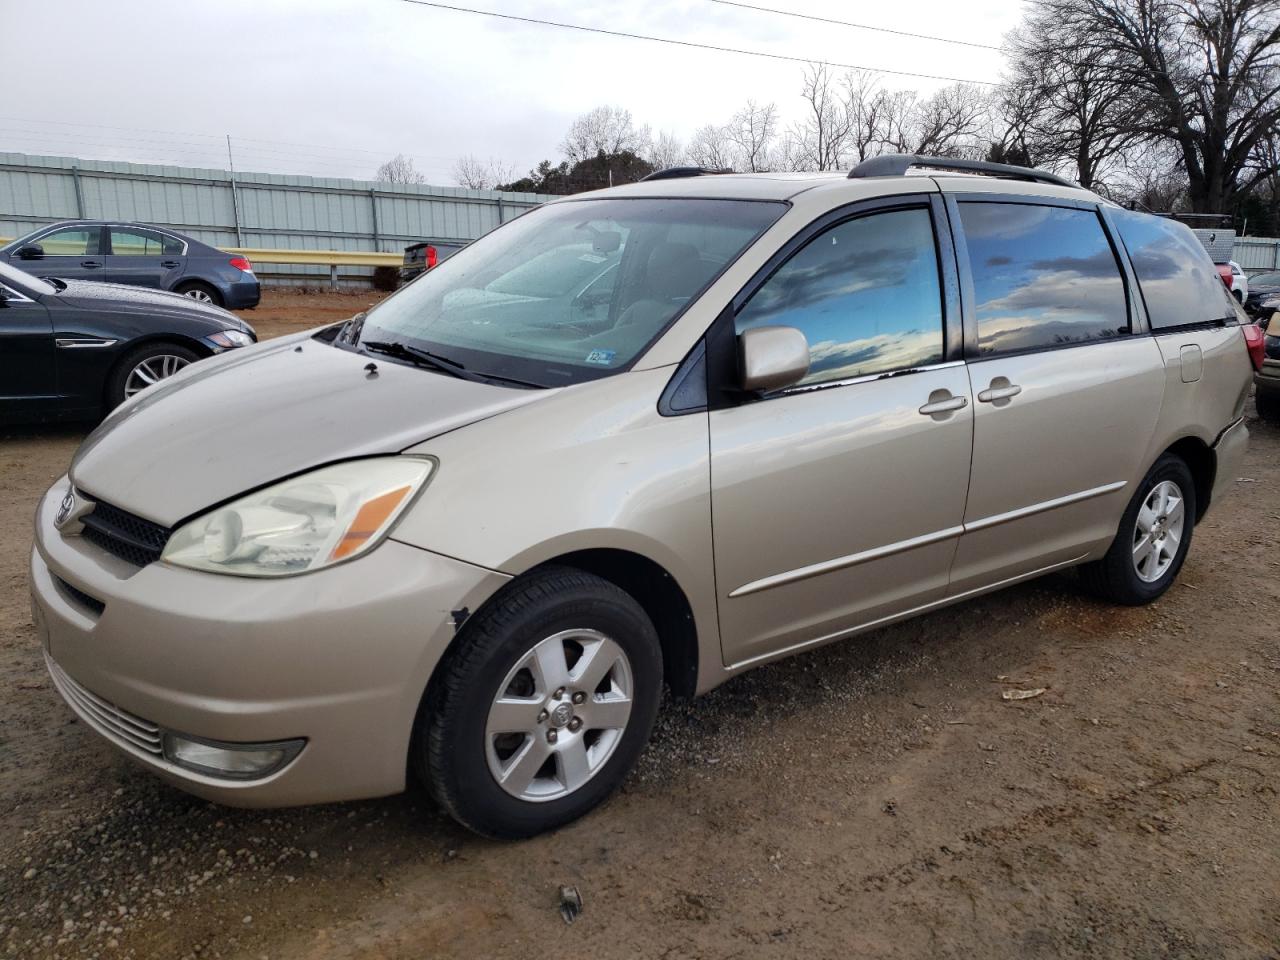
897 164
677 173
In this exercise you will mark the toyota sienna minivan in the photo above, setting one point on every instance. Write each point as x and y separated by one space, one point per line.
653 435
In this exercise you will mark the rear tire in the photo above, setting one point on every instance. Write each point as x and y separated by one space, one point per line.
1152 541
157 360
492 711
199 291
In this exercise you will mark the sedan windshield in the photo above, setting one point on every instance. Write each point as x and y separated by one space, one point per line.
571 291
24 282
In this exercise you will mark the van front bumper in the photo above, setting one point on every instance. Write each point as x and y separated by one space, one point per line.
338 659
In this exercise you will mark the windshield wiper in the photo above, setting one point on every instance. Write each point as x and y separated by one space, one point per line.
423 358
58 285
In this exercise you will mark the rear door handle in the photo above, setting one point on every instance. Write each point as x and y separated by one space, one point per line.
945 405
994 393
170 263
91 264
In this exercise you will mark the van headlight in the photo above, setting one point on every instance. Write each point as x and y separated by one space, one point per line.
314 520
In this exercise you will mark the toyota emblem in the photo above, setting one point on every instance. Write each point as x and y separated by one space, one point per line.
64 509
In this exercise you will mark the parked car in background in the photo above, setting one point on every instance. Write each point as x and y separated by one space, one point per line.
421 257
136 255
1263 298
71 350
1236 280
469 532
1266 381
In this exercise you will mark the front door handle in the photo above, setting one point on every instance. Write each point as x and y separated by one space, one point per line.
91 264
1000 389
943 404
170 263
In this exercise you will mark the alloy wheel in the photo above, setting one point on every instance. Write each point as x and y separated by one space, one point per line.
559 715
199 294
152 370
1158 531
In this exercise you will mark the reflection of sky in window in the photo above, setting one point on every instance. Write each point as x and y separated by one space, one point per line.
1042 276
865 294
1179 282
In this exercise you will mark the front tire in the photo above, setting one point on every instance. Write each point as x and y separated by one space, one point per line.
543 706
1153 539
144 366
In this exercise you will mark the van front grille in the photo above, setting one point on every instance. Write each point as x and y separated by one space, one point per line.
125 535
113 723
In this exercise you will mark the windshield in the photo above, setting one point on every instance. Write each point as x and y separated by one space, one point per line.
1265 280
571 291
25 282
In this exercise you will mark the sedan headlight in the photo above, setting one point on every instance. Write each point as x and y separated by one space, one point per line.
314 520
230 338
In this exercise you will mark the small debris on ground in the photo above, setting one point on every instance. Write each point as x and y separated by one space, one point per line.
1022 694
570 903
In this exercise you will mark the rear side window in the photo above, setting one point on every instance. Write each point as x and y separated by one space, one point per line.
136 243
865 293
1179 283
1043 277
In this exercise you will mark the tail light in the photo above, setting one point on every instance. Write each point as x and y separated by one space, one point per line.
1224 271
432 259
1253 340
241 263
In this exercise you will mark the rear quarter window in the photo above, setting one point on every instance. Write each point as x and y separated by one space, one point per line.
1180 284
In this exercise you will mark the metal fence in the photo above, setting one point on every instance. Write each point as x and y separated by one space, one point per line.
1256 254
251 209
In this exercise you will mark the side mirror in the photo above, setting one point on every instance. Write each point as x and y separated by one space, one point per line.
32 251
770 358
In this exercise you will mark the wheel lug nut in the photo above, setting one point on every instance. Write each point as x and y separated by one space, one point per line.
551 736
575 724
579 697
542 717
559 694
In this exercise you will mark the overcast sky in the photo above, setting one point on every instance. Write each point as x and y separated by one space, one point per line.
333 88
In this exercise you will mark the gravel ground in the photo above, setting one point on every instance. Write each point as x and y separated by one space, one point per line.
874 798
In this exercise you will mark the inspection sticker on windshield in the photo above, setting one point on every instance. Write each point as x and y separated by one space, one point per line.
593 258
601 357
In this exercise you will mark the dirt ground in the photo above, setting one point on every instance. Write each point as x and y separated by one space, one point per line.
876 798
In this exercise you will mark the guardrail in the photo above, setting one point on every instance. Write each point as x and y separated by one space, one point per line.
333 259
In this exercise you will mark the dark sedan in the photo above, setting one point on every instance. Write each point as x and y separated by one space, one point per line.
136 255
71 350
1264 295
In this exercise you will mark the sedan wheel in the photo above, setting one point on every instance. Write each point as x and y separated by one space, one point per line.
152 370
200 294
559 715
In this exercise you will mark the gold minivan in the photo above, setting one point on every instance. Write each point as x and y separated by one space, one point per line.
654 435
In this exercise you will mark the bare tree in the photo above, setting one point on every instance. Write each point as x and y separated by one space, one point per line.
754 131
476 174
1074 104
1206 74
399 169
878 118
666 151
607 130
712 147
951 122
818 141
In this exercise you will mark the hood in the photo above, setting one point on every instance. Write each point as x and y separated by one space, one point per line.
226 426
92 295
